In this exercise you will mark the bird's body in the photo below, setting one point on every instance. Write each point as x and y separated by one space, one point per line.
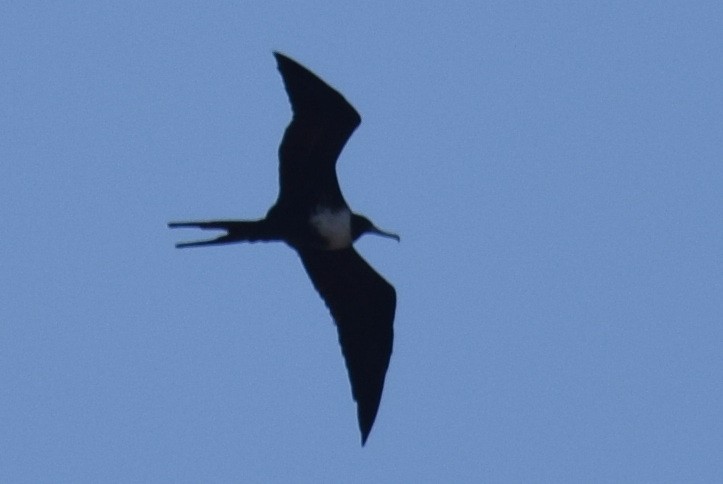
312 217
333 226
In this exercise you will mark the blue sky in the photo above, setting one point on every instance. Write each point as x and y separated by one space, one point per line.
554 171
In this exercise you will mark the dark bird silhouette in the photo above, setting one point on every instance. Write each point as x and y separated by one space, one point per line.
312 217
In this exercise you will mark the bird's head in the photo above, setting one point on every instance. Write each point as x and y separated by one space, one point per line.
361 225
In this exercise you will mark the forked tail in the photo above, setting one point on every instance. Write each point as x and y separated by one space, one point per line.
236 231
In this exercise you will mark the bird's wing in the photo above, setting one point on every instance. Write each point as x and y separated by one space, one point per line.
362 304
322 123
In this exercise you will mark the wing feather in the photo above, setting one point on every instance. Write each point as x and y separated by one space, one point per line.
322 123
362 304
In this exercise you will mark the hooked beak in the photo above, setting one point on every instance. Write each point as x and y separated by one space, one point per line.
390 235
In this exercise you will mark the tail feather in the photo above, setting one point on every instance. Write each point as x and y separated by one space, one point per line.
236 231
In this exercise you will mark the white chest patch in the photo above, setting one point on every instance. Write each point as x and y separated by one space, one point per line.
333 226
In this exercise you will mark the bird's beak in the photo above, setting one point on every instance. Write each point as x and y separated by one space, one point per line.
378 231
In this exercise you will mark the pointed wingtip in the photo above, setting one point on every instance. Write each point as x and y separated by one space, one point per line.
280 57
364 434
365 427
282 61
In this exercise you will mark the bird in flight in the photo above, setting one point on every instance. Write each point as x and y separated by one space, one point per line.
311 216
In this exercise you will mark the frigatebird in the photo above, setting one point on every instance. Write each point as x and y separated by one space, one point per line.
311 216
